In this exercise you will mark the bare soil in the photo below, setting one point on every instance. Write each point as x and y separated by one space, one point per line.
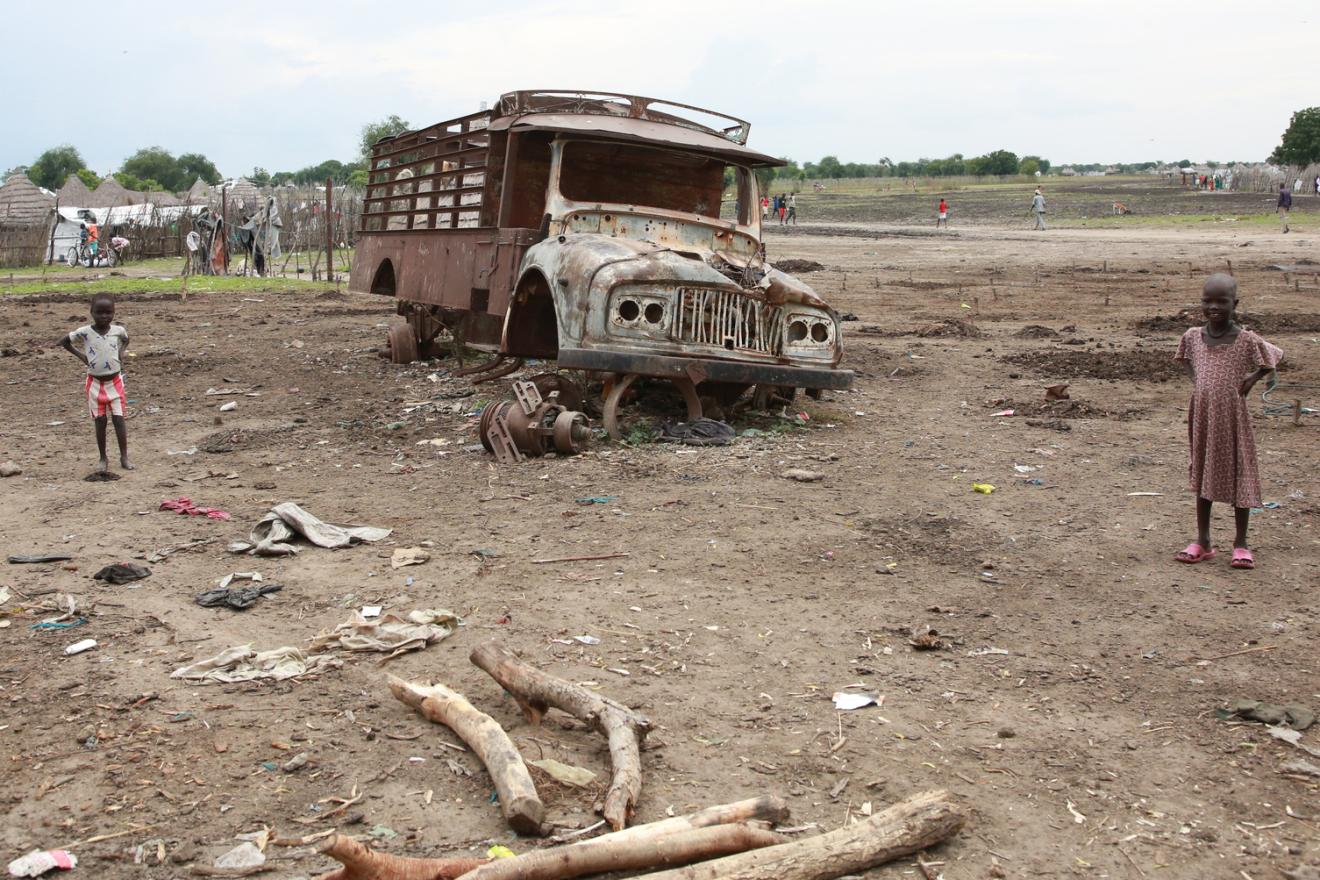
1086 744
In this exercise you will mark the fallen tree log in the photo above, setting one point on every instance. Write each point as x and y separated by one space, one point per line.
537 692
362 863
909 826
619 852
517 793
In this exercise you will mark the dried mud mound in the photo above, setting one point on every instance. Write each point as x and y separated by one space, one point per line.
1262 322
945 538
1133 366
950 327
798 267
241 438
1068 409
1036 331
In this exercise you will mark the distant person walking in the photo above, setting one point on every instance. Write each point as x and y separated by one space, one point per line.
1038 209
783 208
765 207
1317 184
792 208
943 217
1285 204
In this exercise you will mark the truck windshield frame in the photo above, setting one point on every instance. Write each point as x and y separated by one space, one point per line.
590 173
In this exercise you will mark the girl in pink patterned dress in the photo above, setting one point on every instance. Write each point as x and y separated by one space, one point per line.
1225 362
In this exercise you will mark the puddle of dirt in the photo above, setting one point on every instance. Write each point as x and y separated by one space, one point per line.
949 327
1036 331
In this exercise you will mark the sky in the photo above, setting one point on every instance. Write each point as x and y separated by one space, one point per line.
287 85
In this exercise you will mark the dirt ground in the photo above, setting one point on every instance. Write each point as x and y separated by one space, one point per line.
1072 711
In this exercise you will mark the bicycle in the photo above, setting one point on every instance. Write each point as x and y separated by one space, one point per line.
81 255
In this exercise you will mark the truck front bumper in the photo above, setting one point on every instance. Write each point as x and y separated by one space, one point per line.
704 370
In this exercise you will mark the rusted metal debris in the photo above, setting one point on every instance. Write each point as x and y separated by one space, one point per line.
532 426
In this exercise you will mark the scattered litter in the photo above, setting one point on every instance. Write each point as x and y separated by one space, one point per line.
926 638
235 597
296 763
698 432
802 476
408 556
413 631
1293 716
1025 468
587 640
846 702
1003 413
271 536
981 652
56 625
241 663
229 407
79 647
383 831
484 553
1057 392
369 611
37 862
186 507
983 488
191 450
245 855
122 573
1272 505
1145 494
9 469
596 499
500 852
565 773
48 557
1300 767
1293 738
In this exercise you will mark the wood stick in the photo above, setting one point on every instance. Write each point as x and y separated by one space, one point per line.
362 863
908 826
536 692
580 558
622 852
518 799
769 808
1256 650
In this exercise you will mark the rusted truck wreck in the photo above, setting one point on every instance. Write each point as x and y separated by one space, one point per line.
592 229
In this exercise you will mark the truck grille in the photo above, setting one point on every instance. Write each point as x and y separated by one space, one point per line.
728 320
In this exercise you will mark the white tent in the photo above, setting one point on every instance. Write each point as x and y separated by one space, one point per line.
68 229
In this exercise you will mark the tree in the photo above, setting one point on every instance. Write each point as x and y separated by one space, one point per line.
1001 162
1300 144
155 164
260 176
387 127
54 166
135 183
1029 167
1042 165
1184 163
193 166
358 178
88 177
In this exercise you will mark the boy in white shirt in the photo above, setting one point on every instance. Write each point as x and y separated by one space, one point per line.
101 345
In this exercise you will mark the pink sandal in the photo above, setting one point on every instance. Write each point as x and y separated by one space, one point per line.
1242 558
1196 553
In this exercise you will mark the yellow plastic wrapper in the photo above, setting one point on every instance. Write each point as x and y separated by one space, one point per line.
500 852
983 488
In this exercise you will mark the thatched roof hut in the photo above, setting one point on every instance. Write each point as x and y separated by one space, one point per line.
23 203
199 193
74 193
159 199
242 195
111 194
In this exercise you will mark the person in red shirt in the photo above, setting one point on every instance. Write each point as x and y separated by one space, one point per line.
943 215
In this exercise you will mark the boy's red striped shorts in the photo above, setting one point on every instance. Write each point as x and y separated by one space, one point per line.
105 394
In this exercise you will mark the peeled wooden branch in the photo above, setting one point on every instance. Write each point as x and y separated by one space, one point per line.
615 852
909 826
768 808
518 799
363 863
537 692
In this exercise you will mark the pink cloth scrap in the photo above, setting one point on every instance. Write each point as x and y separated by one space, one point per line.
186 507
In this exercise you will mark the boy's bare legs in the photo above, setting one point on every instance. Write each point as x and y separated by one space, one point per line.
121 435
104 464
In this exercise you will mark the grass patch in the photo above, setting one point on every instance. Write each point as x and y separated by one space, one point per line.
196 284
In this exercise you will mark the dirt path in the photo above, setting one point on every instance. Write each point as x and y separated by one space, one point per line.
1073 710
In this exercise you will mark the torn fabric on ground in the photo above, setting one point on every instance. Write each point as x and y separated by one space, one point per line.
273 534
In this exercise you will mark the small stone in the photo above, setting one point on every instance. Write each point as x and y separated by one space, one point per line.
9 469
1007 733
802 476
